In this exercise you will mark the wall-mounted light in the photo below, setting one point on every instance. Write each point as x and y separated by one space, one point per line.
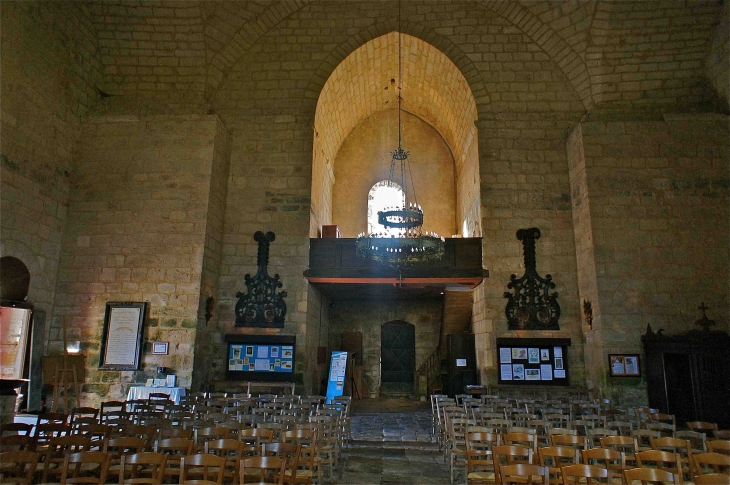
73 347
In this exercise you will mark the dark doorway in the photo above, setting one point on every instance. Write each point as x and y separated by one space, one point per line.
680 396
397 357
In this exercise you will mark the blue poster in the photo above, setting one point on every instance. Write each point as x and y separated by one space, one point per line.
336 379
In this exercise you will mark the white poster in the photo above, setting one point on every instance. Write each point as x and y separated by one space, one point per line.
518 372
559 373
546 372
557 351
505 372
121 343
262 352
532 374
261 364
505 356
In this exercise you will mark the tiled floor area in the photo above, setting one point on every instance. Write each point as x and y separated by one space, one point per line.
392 444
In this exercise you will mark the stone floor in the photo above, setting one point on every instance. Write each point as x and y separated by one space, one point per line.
392 444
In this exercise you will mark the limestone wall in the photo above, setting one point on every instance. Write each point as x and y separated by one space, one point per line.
650 201
136 231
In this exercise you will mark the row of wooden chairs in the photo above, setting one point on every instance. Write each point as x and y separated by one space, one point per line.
276 466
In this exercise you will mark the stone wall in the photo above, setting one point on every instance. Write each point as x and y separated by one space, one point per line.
717 63
368 317
46 84
650 204
137 232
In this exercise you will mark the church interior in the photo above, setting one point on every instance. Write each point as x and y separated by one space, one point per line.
162 158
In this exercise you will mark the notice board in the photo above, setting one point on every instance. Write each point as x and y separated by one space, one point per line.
533 361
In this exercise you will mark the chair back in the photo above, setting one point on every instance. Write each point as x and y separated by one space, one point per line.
510 455
653 475
146 468
79 467
210 467
711 463
262 469
574 474
523 473
712 479
18 466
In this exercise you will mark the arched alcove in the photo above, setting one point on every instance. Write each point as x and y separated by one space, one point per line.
434 92
14 279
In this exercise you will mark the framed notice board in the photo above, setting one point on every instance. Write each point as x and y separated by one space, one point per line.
533 361
268 358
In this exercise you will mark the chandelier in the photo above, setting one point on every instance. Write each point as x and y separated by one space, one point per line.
408 244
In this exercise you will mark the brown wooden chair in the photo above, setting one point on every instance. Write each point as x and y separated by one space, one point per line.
209 433
307 465
555 458
479 459
289 452
712 479
711 463
146 468
56 452
118 447
85 467
573 441
575 474
11 429
653 475
209 467
523 473
229 449
610 459
58 418
719 446
175 449
510 455
722 434
682 447
521 438
139 431
262 470
702 427
663 460
625 444
17 442
18 466
86 412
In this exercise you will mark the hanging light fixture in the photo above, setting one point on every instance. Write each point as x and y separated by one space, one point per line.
408 244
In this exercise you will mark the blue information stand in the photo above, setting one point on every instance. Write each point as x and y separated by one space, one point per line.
336 379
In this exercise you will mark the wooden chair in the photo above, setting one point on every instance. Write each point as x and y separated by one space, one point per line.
702 427
307 466
45 432
510 455
18 466
643 438
87 412
209 467
697 440
479 459
523 473
682 447
118 447
663 460
610 459
139 431
722 434
711 463
719 446
265 470
146 468
594 436
175 449
17 442
712 479
164 433
58 418
255 437
625 444
229 449
12 429
652 475
85 467
209 433
573 441
289 452
58 448
455 447
574 474
555 458
521 438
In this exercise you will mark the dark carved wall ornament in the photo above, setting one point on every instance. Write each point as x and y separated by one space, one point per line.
262 305
532 307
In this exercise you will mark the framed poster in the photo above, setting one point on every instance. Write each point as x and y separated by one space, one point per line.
14 333
121 339
159 348
624 365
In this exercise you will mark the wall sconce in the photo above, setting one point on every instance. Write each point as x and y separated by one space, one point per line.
588 313
73 347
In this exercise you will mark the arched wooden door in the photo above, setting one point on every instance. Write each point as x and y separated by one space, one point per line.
397 357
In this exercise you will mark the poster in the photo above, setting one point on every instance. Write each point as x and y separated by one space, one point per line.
532 374
544 355
505 356
335 384
559 374
558 363
122 336
533 356
558 351
546 372
631 365
14 326
505 372
518 372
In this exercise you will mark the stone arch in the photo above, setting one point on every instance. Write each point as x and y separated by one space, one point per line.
434 90
569 62
38 294
14 279
443 44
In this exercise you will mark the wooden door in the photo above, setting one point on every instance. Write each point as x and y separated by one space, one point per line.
397 357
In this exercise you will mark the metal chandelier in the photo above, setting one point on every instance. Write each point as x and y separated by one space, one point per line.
410 245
